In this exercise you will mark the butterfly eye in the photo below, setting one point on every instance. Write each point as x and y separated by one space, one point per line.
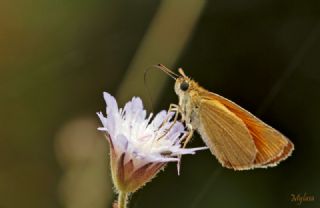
184 86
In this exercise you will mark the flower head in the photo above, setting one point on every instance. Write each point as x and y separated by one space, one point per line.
140 146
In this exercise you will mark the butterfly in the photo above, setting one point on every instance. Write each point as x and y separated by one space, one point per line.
237 138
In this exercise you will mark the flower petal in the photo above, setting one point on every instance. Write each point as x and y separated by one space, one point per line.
121 142
102 118
111 102
189 150
158 119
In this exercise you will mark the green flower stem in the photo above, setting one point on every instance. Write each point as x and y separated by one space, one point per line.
122 200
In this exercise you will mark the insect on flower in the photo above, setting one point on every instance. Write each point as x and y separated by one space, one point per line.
140 146
237 138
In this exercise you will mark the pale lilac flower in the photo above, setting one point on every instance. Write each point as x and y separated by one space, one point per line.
140 145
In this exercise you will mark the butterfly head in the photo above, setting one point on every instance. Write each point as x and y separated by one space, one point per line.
183 84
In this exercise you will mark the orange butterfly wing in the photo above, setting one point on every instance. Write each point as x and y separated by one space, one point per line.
226 135
272 147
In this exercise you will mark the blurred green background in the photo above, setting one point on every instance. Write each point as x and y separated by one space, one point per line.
57 57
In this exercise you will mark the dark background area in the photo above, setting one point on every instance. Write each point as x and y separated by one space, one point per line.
57 57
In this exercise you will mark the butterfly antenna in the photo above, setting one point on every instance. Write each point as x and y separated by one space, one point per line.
167 71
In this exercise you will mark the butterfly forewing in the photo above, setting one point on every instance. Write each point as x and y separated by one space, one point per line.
226 135
271 145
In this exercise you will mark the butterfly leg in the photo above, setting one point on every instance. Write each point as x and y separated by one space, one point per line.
185 140
176 110
189 135
172 108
